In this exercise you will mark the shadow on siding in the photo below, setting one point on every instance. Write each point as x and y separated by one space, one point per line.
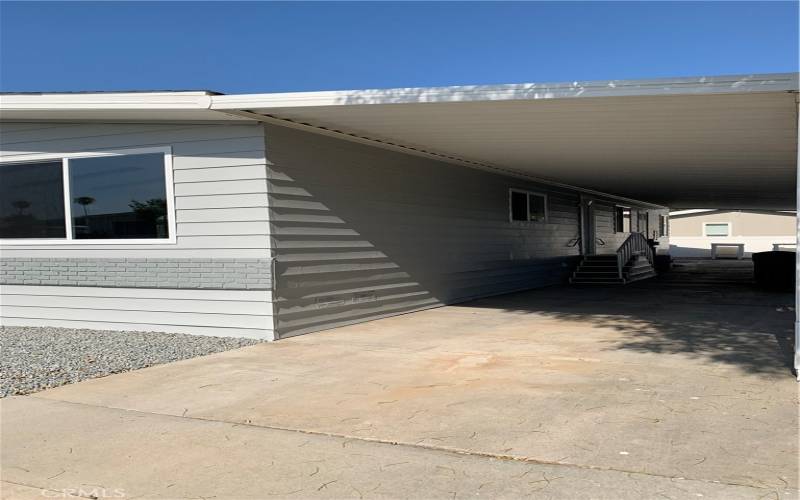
362 233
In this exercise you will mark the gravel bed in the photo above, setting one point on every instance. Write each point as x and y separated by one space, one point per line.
34 359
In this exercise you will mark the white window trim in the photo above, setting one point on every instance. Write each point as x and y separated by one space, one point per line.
665 220
69 240
730 229
528 205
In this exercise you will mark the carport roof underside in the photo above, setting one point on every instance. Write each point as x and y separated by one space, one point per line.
704 142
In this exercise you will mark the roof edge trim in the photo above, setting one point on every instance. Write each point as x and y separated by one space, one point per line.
730 84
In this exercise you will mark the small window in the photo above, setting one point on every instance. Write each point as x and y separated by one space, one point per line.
526 206
622 219
663 225
32 200
717 229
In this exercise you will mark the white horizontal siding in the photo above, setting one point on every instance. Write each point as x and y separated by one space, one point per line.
220 173
222 201
242 214
203 312
138 293
184 139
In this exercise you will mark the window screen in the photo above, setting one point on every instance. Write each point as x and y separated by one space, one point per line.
118 197
717 229
519 206
32 200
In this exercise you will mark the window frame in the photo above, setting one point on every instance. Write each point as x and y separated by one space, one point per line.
705 232
69 239
619 230
528 206
663 226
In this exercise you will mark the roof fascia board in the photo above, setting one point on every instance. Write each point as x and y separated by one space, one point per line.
691 211
105 101
440 157
733 84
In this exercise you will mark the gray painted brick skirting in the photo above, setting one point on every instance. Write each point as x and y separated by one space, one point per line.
231 274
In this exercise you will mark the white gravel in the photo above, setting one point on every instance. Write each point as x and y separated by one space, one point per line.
34 359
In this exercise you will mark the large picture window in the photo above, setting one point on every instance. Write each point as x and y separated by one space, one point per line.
108 197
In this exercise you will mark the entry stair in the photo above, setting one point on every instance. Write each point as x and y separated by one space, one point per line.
602 270
633 261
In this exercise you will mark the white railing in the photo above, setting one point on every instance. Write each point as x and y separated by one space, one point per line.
635 244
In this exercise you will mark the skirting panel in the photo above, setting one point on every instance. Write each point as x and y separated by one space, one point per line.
223 313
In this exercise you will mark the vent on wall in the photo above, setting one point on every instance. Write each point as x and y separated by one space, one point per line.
356 298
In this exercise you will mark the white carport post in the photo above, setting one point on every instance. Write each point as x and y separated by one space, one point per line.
797 250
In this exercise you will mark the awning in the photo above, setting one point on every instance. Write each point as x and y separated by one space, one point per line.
693 142
710 142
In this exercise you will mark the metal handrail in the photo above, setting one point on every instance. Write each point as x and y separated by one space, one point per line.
635 244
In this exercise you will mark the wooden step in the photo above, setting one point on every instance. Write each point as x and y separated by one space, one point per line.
641 276
602 270
586 272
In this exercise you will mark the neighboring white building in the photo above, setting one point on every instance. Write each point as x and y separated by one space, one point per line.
692 232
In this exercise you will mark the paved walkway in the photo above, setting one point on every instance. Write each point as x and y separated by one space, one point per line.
631 392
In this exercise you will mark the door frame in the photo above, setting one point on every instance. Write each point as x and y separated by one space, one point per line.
588 226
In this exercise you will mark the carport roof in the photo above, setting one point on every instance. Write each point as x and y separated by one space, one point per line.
715 142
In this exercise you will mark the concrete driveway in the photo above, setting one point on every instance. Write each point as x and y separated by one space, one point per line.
647 391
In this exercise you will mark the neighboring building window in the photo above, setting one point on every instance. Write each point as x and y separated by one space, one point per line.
717 229
663 225
32 200
525 206
622 219
103 196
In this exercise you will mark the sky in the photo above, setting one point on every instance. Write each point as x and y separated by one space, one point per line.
253 47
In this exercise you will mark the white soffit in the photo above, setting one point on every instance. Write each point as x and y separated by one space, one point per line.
711 142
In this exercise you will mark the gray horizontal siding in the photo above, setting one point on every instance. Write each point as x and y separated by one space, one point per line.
194 285
362 233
